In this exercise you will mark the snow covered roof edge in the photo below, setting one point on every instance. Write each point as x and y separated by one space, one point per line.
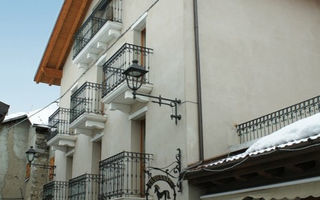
37 117
302 131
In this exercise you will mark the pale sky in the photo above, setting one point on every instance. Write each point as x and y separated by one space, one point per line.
25 27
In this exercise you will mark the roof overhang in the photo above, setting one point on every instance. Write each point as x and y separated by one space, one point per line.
290 163
60 42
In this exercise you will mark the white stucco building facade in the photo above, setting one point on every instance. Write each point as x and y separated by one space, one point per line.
255 58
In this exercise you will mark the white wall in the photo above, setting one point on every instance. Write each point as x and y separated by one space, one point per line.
256 57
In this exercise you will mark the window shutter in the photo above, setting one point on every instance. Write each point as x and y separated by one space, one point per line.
28 169
51 170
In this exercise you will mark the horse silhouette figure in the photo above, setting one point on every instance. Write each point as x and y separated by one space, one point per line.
160 195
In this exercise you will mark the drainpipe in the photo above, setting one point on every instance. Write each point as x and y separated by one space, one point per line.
198 78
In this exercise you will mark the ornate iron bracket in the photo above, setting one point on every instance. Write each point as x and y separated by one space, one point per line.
43 166
173 103
172 171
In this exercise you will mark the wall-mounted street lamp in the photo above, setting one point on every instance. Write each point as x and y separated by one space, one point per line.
30 154
135 78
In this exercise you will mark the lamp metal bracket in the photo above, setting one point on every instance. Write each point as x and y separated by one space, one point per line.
173 103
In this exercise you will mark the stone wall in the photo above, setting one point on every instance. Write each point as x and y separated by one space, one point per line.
39 175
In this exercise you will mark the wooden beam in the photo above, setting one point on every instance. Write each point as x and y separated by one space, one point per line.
293 169
51 81
70 17
52 73
215 182
53 38
277 160
266 174
77 22
57 29
240 178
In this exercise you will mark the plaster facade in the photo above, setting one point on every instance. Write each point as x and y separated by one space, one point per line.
261 57
256 57
15 140
13 162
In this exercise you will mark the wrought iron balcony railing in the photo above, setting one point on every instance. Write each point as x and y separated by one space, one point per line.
55 190
86 100
107 10
59 123
84 187
120 61
123 175
272 122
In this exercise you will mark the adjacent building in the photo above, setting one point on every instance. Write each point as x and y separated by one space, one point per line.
3 110
227 61
19 131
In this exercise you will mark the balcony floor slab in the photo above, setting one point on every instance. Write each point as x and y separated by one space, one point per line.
123 95
89 121
63 140
130 198
109 31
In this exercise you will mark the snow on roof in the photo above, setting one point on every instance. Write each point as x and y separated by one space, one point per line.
41 117
14 116
298 132
35 117
300 129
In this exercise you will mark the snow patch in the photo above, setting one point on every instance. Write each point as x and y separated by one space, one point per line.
35 117
42 117
298 130
14 116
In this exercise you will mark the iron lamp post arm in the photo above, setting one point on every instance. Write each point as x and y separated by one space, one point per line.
163 101
159 98
43 166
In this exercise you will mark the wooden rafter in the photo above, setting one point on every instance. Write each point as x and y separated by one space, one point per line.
53 73
70 18
272 168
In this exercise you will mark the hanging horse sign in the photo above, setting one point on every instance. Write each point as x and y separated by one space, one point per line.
165 194
169 171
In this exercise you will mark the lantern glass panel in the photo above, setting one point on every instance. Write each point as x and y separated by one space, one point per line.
30 154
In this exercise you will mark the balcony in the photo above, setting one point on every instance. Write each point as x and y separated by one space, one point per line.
272 122
60 133
84 187
86 110
115 89
100 28
55 190
123 175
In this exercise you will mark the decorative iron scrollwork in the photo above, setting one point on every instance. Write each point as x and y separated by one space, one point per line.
172 171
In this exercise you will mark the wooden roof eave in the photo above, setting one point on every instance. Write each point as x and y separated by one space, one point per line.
60 42
279 166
